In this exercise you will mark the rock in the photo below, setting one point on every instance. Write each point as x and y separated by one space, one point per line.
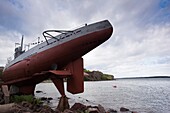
93 110
122 109
101 109
33 108
134 112
111 111
25 104
114 86
46 109
7 108
39 91
78 106
67 111
57 111
87 100
44 98
50 98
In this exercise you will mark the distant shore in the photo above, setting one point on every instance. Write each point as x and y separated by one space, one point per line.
96 76
144 77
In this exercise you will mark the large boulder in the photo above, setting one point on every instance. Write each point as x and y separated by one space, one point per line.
123 109
78 106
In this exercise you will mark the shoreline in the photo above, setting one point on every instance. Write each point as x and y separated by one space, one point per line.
26 107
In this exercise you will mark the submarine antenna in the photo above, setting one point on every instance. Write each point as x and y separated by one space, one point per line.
22 42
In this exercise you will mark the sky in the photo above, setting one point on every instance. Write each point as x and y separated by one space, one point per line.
139 46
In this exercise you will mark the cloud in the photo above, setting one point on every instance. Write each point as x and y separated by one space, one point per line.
138 47
139 38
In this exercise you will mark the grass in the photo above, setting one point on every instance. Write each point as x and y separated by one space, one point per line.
27 98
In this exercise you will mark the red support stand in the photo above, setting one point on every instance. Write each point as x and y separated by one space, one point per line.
63 103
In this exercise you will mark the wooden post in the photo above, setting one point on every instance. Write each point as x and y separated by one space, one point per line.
6 93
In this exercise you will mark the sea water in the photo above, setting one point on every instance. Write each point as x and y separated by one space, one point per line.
140 95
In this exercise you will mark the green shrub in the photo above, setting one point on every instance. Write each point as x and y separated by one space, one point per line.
107 77
85 70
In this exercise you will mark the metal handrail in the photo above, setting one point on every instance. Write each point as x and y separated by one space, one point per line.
47 34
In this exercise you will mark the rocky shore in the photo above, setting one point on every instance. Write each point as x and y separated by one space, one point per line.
38 106
33 105
26 107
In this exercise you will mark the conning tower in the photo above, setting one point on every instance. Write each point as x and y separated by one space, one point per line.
18 50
